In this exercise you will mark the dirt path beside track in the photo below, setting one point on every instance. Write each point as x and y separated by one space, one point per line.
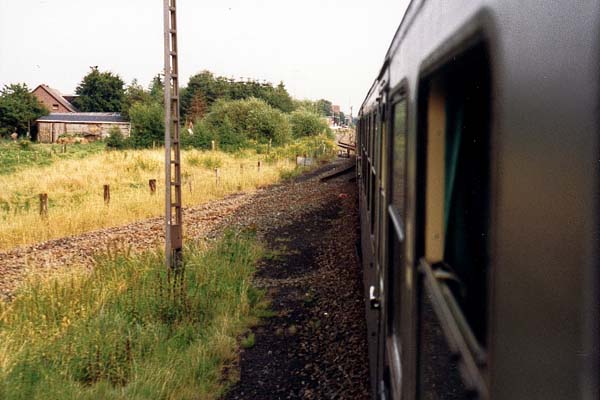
315 346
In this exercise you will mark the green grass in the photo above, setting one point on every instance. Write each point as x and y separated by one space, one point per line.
16 156
121 331
249 341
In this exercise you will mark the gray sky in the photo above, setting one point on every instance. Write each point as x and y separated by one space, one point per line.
320 48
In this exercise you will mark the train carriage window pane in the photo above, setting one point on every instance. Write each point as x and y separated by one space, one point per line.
396 215
377 143
399 158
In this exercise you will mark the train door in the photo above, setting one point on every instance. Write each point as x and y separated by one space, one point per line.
393 235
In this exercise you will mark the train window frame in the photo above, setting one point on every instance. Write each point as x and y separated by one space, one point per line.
396 218
456 100
375 175
394 226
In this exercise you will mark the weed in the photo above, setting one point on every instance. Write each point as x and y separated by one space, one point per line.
122 331
212 162
249 341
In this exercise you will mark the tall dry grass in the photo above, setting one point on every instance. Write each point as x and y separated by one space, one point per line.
75 190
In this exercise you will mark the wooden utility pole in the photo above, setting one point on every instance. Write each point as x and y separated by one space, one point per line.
173 212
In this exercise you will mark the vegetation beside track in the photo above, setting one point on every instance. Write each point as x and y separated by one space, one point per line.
74 184
18 156
119 332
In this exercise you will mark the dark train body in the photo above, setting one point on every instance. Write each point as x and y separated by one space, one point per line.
478 163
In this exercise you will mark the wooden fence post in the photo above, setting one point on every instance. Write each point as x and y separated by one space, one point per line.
212 145
44 205
258 165
152 184
106 194
217 176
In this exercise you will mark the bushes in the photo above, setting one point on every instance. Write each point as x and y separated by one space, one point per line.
147 124
233 124
115 139
200 137
305 123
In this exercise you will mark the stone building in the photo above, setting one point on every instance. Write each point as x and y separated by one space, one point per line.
64 120
92 126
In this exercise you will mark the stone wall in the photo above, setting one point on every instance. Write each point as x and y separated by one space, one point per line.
49 132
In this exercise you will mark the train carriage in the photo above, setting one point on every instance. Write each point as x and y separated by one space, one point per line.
478 165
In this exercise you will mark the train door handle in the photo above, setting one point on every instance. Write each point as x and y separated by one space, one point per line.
374 300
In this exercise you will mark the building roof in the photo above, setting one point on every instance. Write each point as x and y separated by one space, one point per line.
57 96
90 118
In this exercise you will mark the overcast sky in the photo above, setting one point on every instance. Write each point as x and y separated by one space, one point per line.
319 48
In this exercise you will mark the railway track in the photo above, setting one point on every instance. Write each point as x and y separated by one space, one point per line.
270 205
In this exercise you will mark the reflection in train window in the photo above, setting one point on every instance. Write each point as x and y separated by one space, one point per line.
399 159
396 213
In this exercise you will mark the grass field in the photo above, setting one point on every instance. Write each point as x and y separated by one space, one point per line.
120 331
17 156
74 184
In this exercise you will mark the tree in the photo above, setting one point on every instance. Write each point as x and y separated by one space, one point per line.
214 88
235 122
147 124
305 123
18 108
134 93
100 92
280 98
206 83
157 89
324 107
306 105
198 108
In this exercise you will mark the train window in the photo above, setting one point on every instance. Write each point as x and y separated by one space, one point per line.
375 172
396 212
382 179
370 160
457 210
399 157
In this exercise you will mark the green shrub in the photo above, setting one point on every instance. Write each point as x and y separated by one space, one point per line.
306 123
147 124
237 122
200 137
25 144
115 139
